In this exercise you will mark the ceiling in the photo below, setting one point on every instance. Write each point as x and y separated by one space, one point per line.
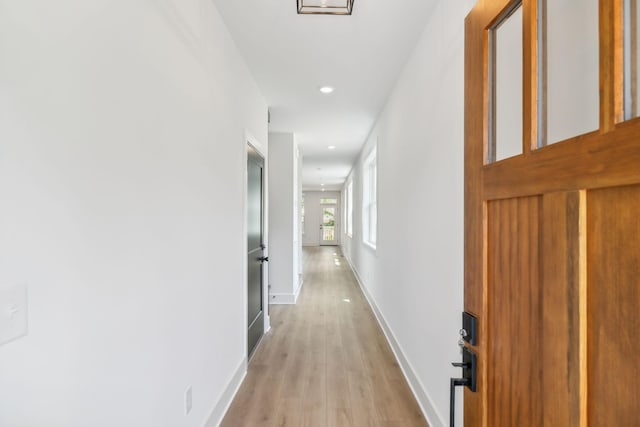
291 56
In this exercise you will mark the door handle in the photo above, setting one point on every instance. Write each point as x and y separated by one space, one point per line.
469 367
263 259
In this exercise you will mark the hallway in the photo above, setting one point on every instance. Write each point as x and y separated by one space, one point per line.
325 361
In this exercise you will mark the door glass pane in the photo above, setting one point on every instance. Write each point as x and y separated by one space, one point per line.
631 58
569 69
328 224
506 134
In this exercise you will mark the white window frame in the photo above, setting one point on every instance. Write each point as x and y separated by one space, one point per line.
349 208
370 199
343 206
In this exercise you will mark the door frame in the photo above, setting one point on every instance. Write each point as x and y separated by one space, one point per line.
261 149
312 207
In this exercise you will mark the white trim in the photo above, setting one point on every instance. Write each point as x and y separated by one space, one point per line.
286 299
370 197
434 419
255 143
282 299
245 245
349 207
300 283
229 393
252 141
371 245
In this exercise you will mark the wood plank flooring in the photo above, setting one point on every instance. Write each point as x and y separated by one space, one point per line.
325 361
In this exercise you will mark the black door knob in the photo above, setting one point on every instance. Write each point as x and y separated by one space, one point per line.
264 259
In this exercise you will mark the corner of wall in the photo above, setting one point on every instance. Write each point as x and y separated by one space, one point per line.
286 299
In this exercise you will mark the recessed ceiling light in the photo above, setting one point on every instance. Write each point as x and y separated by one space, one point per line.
322 185
326 89
331 147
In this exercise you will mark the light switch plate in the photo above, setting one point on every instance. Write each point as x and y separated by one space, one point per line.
13 313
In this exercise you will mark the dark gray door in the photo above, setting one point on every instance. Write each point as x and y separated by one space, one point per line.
255 246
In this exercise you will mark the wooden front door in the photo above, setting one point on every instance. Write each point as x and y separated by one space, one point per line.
552 229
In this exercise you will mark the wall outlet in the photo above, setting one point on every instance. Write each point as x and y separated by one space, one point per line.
13 313
188 401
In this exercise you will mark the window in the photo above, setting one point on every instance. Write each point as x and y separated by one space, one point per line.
343 201
506 47
328 201
350 209
370 200
569 90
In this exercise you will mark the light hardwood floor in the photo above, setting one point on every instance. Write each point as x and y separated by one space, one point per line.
325 361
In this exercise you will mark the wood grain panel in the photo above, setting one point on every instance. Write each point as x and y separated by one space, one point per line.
616 50
474 156
607 66
555 167
563 298
613 220
529 76
514 356
611 21
474 266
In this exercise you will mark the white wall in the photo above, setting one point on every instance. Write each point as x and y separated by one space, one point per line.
313 216
415 277
122 168
284 240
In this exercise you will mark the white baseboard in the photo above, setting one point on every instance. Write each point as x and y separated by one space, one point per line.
282 299
267 323
285 299
300 283
426 404
221 408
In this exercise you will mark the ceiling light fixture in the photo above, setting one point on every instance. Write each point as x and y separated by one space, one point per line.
331 147
326 90
325 7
